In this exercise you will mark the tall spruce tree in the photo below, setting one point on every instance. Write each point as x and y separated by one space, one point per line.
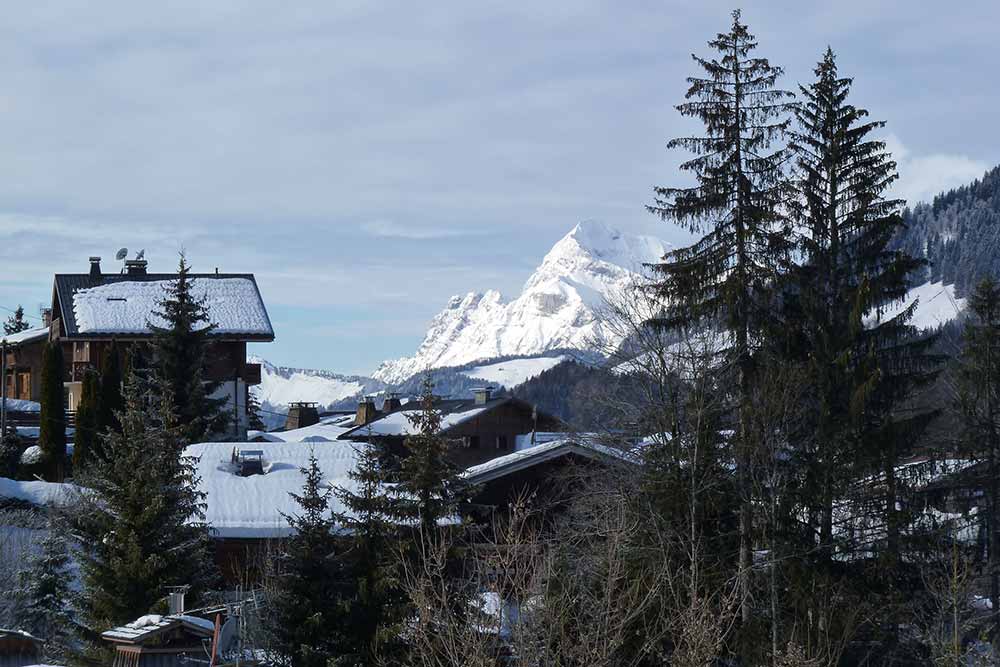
376 603
309 619
179 355
978 374
865 362
16 322
110 403
139 529
52 431
428 488
85 432
730 274
45 596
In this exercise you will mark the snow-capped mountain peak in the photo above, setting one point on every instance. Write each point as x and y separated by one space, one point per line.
557 309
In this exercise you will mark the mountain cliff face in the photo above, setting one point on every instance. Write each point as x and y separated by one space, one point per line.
556 310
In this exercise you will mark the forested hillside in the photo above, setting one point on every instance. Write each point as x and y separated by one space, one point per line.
958 233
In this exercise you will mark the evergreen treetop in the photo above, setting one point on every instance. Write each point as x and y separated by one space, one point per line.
85 432
110 403
16 322
179 358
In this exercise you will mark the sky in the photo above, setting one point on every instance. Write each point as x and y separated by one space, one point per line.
367 160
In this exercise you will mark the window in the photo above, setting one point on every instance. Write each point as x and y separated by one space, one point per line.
501 442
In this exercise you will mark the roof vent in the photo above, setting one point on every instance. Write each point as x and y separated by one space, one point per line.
95 269
482 395
176 600
249 461
135 267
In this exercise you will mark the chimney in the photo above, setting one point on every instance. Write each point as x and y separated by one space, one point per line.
95 269
176 600
135 267
47 317
482 395
391 402
366 412
300 415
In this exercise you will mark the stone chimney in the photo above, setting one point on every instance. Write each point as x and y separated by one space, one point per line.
366 412
482 395
47 317
391 402
135 267
95 269
300 415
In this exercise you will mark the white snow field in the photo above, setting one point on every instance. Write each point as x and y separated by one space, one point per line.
514 372
936 305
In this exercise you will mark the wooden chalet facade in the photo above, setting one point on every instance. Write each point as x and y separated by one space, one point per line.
483 427
92 310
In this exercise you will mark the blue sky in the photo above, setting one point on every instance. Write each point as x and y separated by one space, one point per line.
369 159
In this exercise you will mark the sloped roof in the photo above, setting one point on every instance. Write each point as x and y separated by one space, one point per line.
26 336
256 506
146 627
123 304
453 413
532 456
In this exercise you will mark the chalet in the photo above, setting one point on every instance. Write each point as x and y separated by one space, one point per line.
90 310
19 649
161 641
486 426
248 486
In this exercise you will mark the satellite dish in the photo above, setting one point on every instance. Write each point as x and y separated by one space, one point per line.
121 254
227 634
140 254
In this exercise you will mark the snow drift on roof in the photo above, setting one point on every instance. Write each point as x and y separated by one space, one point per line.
27 336
37 493
126 307
252 507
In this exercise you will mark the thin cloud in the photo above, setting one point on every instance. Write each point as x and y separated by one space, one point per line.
395 230
921 177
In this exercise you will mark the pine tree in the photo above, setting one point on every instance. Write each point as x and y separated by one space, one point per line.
864 365
254 420
179 356
44 595
110 403
85 434
376 604
16 322
140 527
11 449
730 274
52 433
308 609
428 489
978 375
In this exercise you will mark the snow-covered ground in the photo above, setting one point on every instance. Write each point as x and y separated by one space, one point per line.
557 309
936 305
37 493
513 372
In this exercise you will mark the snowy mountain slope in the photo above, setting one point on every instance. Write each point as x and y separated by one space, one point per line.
280 386
557 309
513 372
936 305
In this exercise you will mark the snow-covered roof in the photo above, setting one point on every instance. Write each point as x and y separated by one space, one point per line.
399 423
145 627
327 430
125 305
37 493
21 405
252 507
26 336
526 458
